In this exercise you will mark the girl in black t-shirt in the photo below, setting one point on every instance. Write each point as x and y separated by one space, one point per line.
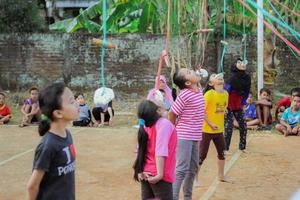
53 174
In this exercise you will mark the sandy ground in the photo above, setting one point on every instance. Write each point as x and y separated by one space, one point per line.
269 169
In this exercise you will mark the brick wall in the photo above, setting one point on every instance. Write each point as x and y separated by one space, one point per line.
37 59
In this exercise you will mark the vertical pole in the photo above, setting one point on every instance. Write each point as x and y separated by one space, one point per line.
260 47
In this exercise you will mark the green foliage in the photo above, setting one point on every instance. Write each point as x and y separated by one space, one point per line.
20 16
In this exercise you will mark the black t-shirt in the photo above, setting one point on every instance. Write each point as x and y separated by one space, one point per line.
56 156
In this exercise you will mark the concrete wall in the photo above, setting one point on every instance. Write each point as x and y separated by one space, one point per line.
37 59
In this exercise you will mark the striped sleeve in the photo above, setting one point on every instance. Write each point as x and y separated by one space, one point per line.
179 104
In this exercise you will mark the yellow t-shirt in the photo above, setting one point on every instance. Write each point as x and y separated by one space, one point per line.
215 107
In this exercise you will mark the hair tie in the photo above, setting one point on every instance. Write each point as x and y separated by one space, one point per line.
141 122
45 118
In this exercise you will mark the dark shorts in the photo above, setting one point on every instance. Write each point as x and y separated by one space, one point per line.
98 110
161 190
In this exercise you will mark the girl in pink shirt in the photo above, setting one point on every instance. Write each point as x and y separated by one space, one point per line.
154 166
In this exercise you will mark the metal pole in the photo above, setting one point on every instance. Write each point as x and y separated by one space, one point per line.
260 47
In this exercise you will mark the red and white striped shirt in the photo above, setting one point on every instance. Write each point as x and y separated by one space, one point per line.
189 107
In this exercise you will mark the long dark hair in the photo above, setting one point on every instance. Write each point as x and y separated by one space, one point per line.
49 101
147 111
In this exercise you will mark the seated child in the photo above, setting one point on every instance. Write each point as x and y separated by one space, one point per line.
103 113
284 103
85 117
263 109
5 113
290 120
249 113
31 109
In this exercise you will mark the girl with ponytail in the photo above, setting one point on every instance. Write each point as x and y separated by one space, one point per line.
155 163
53 174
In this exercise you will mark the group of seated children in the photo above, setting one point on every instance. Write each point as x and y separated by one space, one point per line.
287 113
258 113
31 111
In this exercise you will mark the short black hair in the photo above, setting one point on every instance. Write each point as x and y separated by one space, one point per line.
295 90
179 80
297 95
3 94
78 94
33 88
265 90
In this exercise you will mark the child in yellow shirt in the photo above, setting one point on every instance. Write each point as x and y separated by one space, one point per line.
216 101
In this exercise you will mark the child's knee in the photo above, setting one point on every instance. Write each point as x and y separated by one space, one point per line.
221 156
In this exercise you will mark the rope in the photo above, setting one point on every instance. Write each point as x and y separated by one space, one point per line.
291 30
269 26
292 11
224 38
275 10
244 37
164 53
104 44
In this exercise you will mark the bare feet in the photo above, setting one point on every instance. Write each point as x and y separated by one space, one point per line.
100 125
225 179
1 123
110 123
23 124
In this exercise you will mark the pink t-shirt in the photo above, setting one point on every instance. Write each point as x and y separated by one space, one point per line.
162 141
189 107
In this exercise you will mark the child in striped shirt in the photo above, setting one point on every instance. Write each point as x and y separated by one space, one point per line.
188 109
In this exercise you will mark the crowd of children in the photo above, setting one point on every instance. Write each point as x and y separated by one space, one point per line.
174 131
198 119
31 112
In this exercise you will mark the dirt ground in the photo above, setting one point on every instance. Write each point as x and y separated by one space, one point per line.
268 170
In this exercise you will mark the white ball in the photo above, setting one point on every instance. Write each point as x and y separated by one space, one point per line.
103 96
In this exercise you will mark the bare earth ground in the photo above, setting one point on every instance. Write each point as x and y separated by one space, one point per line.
269 169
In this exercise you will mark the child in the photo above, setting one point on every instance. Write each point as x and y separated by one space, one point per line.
5 113
103 113
162 87
249 113
290 120
30 109
263 109
216 101
284 103
238 88
155 163
85 117
189 108
53 175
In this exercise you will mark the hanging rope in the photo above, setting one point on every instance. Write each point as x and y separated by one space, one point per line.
269 26
224 38
244 37
164 53
287 8
103 44
274 19
282 20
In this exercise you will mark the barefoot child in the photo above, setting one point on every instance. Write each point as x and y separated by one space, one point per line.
290 120
30 108
5 113
188 108
53 175
263 109
216 101
155 163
